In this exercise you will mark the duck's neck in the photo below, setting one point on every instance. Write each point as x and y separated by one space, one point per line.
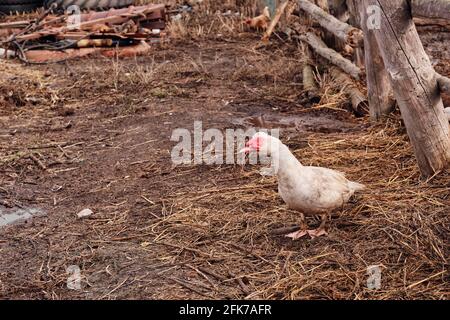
284 161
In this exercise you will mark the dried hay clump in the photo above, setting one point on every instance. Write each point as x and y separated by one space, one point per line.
22 87
399 224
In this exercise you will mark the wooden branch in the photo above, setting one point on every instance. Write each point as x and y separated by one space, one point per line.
275 21
358 99
334 57
341 30
437 9
415 85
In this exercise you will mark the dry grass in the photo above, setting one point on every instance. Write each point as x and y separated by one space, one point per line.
207 232
400 223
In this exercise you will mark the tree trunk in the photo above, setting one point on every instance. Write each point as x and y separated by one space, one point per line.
415 85
379 88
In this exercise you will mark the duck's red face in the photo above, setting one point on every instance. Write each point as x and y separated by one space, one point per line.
254 144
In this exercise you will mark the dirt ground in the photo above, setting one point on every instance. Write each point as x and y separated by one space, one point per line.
99 131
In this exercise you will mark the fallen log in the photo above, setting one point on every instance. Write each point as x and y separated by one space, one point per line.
436 9
331 55
350 88
345 32
415 85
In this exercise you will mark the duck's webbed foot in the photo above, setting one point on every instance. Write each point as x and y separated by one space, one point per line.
300 233
321 231
317 233
297 234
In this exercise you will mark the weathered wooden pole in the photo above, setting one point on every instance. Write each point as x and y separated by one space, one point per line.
414 82
379 88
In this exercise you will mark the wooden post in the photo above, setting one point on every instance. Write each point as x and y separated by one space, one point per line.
379 88
415 85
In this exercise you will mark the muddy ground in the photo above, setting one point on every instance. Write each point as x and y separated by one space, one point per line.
95 133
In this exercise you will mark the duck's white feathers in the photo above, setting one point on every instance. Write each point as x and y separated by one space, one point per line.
312 190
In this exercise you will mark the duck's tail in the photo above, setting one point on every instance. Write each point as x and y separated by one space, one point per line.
355 186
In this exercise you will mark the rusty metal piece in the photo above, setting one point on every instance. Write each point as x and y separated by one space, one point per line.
97 32
129 51
87 43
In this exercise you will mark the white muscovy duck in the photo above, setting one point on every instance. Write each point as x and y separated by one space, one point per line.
308 190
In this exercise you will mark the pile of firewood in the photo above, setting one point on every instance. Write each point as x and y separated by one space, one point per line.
378 40
124 32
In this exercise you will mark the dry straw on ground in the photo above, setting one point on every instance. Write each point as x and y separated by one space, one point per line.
202 231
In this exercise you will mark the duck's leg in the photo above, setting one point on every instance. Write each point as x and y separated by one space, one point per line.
321 231
303 229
